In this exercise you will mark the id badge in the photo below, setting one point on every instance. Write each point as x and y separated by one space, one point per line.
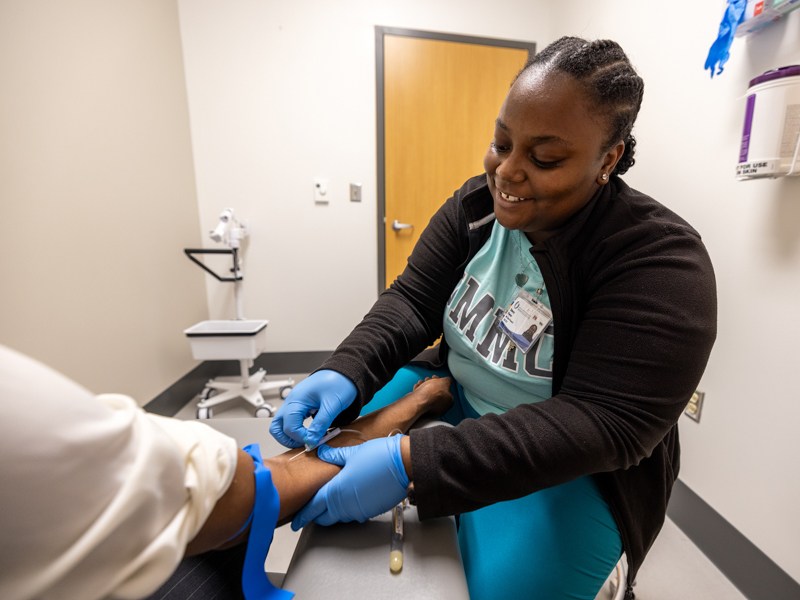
525 320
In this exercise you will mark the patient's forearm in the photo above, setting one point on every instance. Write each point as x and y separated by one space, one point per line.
298 480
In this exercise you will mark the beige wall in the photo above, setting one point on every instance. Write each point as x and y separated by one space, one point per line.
97 192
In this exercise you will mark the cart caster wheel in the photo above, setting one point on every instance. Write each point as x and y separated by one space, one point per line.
207 393
204 413
264 412
285 391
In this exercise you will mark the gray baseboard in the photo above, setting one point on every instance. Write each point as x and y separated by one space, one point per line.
747 567
175 397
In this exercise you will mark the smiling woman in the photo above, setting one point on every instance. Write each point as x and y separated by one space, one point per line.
562 131
578 316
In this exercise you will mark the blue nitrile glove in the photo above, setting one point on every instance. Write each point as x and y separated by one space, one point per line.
326 393
718 54
373 481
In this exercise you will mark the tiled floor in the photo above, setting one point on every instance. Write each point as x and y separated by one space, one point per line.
674 570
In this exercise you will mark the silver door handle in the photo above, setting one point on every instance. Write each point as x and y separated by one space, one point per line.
397 225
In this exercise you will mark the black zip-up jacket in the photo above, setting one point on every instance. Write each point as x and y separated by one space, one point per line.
634 309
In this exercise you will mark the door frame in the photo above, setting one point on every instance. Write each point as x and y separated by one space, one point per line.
380 32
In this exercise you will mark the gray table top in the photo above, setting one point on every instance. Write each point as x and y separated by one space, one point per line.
351 560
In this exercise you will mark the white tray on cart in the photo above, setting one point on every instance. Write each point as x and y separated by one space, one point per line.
228 340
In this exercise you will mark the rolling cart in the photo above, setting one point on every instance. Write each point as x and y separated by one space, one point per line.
237 339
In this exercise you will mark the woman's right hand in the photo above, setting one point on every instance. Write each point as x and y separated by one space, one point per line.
324 394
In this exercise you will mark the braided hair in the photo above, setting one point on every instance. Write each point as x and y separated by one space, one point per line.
610 80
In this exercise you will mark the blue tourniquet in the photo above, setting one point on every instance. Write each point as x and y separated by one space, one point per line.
255 584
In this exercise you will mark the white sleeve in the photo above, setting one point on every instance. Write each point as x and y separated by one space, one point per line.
98 498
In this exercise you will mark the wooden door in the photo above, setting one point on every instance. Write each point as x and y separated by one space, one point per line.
441 99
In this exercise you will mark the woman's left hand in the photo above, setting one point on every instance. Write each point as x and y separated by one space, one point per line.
372 481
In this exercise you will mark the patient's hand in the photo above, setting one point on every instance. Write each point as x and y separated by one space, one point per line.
435 394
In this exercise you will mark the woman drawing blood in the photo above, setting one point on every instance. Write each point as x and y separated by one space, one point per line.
563 457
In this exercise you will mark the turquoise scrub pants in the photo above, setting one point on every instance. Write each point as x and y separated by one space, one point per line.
558 543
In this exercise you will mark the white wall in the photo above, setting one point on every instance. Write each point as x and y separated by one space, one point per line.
97 192
280 93
744 456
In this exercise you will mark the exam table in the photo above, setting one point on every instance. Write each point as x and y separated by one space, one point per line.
351 560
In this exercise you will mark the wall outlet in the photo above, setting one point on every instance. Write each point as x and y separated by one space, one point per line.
695 406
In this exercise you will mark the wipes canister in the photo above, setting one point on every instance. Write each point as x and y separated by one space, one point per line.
771 135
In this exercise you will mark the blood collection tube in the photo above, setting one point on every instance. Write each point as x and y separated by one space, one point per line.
396 554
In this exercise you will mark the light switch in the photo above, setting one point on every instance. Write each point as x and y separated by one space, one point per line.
320 190
355 192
